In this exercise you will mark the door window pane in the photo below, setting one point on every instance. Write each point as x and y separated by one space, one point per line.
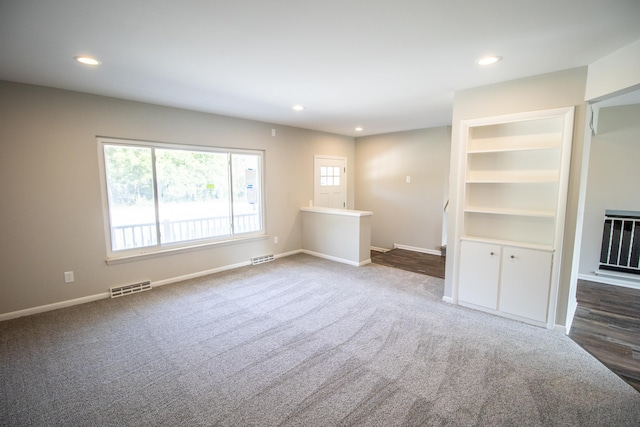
329 176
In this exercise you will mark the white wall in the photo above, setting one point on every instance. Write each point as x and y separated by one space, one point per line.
559 89
617 72
337 234
406 214
51 217
613 176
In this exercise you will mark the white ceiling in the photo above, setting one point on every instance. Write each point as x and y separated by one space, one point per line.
385 65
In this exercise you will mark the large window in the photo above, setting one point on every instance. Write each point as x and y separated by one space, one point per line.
161 196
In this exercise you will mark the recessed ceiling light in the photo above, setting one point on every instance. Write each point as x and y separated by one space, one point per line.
358 129
87 60
298 107
488 60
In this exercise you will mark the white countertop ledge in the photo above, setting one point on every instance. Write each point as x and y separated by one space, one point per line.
334 211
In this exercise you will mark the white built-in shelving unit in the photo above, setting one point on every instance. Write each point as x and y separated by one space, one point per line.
513 188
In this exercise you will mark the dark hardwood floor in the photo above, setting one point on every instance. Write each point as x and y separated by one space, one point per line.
607 325
417 262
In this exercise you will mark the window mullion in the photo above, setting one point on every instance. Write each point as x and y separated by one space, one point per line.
155 197
230 175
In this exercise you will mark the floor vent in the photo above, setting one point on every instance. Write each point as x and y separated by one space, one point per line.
119 291
262 259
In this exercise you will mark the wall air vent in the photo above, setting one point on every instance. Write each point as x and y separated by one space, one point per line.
262 259
119 291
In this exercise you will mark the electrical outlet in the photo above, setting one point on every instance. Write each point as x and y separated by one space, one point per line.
408 179
68 277
275 240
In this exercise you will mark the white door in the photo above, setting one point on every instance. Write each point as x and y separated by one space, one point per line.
330 182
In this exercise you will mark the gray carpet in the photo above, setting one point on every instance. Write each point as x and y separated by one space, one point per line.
299 342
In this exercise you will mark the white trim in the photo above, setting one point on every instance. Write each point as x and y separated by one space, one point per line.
286 254
568 116
383 250
214 270
416 249
333 258
181 249
572 306
54 306
580 212
336 211
631 278
507 315
447 299
562 329
608 280
199 274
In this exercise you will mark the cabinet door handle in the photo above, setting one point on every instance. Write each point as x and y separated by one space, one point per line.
513 256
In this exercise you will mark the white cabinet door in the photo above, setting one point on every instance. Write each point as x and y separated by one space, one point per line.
525 282
479 274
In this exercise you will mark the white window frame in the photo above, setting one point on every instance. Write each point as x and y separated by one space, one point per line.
160 248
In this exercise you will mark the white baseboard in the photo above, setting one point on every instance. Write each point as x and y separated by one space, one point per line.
286 254
91 298
333 258
447 299
609 280
562 329
199 274
383 250
415 249
54 306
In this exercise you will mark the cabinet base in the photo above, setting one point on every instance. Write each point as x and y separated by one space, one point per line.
506 315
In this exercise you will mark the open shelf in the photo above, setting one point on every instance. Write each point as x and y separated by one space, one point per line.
514 212
526 229
548 141
512 176
521 198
